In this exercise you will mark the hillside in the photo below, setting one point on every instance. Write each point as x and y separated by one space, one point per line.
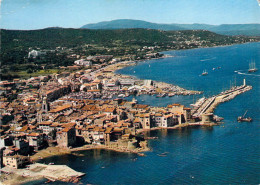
60 44
227 29
51 38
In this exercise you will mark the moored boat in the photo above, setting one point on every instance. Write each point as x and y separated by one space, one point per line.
244 119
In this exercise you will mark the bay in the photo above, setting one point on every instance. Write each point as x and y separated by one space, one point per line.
226 154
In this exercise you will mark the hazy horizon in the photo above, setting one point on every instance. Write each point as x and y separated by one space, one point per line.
126 28
37 14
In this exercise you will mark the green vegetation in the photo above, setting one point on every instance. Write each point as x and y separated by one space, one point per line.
60 44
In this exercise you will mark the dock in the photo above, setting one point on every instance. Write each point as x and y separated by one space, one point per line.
207 105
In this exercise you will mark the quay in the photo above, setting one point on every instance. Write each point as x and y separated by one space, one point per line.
207 105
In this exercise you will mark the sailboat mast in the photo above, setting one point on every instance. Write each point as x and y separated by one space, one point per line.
245 114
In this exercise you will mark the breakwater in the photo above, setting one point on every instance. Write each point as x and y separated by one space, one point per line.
207 105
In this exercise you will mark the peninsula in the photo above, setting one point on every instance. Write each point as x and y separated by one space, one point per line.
81 106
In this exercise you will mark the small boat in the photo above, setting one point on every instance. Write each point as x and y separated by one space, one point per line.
252 67
244 119
121 95
204 73
163 154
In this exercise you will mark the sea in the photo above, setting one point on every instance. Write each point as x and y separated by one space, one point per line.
224 154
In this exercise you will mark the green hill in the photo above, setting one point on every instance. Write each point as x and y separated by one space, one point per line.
16 44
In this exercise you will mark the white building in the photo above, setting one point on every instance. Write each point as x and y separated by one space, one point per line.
82 62
34 54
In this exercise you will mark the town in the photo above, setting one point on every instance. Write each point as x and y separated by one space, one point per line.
74 109
85 109
82 106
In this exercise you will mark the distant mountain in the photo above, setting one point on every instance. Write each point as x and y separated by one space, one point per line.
227 29
128 23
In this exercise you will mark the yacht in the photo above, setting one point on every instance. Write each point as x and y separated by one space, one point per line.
204 73
252 67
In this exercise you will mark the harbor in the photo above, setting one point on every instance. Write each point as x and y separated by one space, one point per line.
197 140
207 105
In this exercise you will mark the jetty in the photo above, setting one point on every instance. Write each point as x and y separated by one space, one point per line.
206 106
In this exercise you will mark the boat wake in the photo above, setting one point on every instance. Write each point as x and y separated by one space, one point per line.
241 72
209 59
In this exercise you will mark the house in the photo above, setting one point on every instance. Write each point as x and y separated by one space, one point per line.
66 137
15 161
22 145
158 119
35 53
137 123
109 111
107 134
168 121
45 126
35 140
183 112
98 135
145 120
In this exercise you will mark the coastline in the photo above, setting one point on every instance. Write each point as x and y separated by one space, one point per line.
49 152
117 150
57 151
162 87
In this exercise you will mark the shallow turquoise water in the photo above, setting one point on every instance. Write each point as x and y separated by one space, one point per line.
226 154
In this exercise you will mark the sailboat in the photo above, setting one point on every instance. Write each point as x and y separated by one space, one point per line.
244 119
204 73
252 67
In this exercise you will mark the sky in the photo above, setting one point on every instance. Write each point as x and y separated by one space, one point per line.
37 14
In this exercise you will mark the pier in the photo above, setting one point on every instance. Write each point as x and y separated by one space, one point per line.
207 105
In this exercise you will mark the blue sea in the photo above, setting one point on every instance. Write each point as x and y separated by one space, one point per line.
225 154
